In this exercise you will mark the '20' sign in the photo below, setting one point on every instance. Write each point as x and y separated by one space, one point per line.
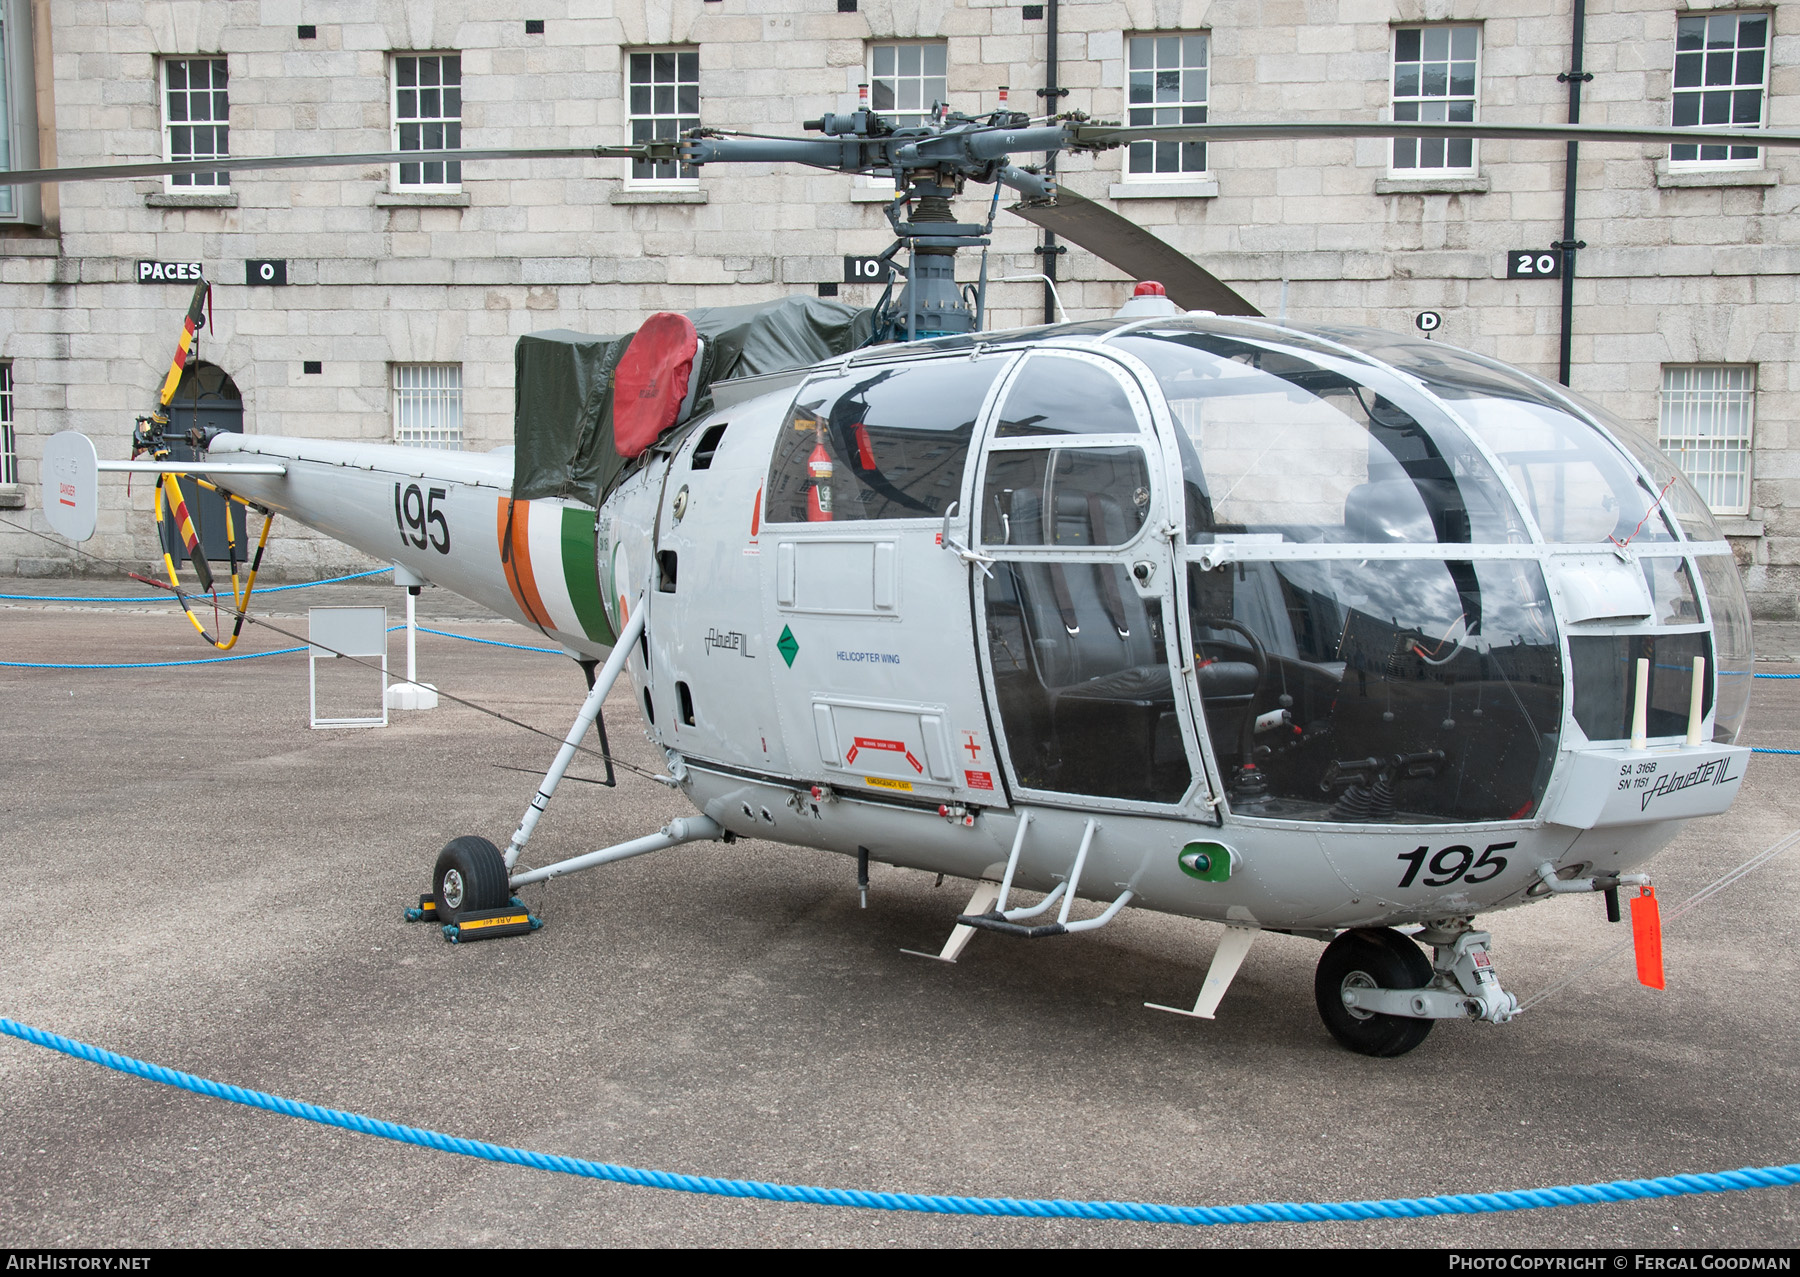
419 519
1454 862
1527 264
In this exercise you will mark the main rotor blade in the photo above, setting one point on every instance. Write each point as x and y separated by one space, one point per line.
1105 135
1135 251
251 163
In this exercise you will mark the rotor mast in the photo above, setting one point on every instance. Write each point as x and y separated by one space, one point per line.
929 165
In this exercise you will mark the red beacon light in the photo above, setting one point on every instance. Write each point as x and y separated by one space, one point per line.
1149 300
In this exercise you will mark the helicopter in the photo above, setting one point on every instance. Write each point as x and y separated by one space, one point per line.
1294 628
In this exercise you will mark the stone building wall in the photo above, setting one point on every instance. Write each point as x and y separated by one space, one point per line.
1679 267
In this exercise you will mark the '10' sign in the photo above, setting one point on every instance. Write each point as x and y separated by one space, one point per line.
867 270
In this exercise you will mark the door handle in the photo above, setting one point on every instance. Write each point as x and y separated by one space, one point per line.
961 551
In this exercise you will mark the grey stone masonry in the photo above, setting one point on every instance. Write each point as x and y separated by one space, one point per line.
1682 265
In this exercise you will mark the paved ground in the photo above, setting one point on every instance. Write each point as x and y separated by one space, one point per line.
198 879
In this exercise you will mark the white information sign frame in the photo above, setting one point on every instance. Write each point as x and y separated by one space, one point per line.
346 631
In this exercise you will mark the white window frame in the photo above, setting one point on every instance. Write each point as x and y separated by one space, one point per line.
427 405
9 439
1683 62
1183 106
1706 424
19 205
660 123
905 117
194 183
451 182
1426 106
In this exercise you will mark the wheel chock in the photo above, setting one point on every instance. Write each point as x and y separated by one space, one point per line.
491 924
427 910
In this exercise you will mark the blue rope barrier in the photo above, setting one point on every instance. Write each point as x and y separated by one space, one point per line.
1758 749
1778 676
250 656
170 598
150 665
930 1204
470 638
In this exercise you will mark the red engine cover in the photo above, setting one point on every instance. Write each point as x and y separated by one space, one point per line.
652 380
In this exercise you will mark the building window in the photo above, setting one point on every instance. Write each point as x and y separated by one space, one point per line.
428 117
428 406
1705 426
1720 70
18 111
196 106
1435 75
1166 78
665 99
907 80
9 444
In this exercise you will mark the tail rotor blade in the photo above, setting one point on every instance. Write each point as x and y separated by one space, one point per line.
1134 250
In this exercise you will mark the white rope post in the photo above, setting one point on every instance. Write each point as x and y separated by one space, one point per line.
411 694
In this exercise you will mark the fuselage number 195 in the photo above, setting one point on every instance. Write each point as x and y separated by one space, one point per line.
420 521
1454 862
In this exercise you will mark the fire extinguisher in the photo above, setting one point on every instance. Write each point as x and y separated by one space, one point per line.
818 497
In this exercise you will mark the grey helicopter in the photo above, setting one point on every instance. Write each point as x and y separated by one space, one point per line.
1295 628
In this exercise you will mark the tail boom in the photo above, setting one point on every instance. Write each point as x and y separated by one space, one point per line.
447 516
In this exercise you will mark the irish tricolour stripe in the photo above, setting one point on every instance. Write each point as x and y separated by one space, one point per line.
547 550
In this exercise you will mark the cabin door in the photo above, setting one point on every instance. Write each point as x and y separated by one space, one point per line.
1079 615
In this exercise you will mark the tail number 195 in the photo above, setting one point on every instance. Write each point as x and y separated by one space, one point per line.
419 519
1453 863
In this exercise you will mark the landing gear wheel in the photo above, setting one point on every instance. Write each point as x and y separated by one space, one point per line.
470 875
1377 958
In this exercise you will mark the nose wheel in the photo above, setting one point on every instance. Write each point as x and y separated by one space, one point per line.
1376 958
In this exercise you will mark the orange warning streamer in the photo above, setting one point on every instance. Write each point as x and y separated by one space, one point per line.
1646 937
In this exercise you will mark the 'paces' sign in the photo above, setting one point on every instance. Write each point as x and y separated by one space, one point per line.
168 272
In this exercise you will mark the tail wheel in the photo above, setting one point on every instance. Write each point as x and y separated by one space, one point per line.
470 875
1371 959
